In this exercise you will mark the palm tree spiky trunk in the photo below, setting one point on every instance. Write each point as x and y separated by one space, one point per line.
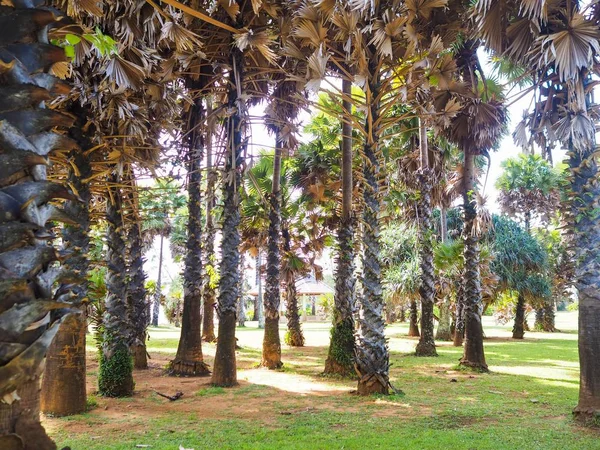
158 292
341 346
271 355
426 345
294 336
473 355
63 385
136 291
413 320
518 331
372 356
115 376
224 371
189 360
209 295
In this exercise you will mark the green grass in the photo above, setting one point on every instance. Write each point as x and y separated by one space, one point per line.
524 403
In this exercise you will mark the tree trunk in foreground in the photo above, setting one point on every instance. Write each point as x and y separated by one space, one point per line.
518 331
372 356
115 375
340 356
189 360
63 385
209 295
294 336
224 371
413 320
271 350
426 345
26 248
473 355
585 225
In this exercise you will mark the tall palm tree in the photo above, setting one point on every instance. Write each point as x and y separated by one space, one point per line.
26 253
567 35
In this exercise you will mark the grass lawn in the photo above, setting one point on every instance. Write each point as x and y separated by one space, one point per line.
525 403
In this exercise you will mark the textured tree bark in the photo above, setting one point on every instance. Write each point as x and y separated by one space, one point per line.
224 371
209 295
549 317
158 293
413 320
258 305
473 355
372 356
444 332
585 225
271 351
426 345
519 326
294 336
340 356
189 360
539 319
115 377
137 297
63 385
241 303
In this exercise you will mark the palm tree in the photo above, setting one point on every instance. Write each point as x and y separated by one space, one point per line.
566 35
529 188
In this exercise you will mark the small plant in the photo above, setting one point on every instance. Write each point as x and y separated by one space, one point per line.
91 402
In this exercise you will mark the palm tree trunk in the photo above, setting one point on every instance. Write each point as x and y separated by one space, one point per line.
136 291
539 319
413 320
444 332
271 355
25 257
209 295
473 355
63 385
258 305
459 323
158 293
585 225
294 336
340 357
224 372
115 377
189 360
426 345
549 318
372 356
241 308
519 327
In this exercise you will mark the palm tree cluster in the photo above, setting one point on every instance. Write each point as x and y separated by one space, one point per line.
99 96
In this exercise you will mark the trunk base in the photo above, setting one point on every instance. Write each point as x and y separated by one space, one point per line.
184 368
413 331
373 384
224 370
458 340
425 349
518 334
589 416
340 357
115 375
271 354
475 366
140 357
443 335
294 338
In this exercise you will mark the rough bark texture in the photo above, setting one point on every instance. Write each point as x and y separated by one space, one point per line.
294 336
459 317
372 356
224 371
271 354
426 345
413 320
473 355
241 303
158 292
63 385
444 332
136 292
115 376
585 224
209 295
189 360
518 331
26 249
258 303
340 356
